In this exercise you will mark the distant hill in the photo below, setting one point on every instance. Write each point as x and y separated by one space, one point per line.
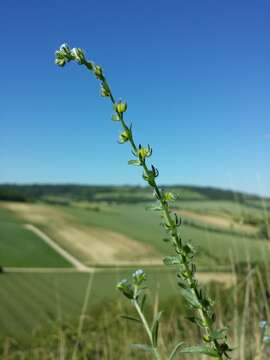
125 194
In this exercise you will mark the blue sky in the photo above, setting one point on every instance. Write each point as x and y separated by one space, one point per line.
196 75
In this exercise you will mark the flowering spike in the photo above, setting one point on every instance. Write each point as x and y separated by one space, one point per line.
201 304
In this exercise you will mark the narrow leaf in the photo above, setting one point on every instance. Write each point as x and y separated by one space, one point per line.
195 320
115 117
155 328
131 318
199 349
171 260
182 283
218 334
142 302
191 298
175 349
154 208
134 162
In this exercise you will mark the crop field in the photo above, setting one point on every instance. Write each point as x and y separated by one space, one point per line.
109 234
31 301
21 248
39 287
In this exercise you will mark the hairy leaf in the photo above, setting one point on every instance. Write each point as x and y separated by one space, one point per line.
171 260
190 297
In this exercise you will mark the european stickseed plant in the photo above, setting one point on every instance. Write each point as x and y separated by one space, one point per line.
214 340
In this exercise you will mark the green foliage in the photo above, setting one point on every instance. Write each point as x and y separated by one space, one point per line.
171 260
155 328
200 350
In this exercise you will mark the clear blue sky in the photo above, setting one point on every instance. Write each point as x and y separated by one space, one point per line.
196 75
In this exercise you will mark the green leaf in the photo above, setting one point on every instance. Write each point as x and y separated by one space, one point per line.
143 347
218 334
171 260
182 283
154 208
189 249
199 349
115 117
155 328
175 349
142 302
134 162
195 320
131 318
191 298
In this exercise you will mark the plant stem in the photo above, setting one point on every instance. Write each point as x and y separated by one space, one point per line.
148 331
175 236
186 267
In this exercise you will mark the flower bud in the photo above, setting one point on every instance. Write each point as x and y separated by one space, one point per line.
124 136
78 55
126 288
60 62
144 152
139 276
60 58
105 90
168 196
65 49
98 72
121 107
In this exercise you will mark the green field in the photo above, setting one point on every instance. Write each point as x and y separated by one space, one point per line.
21 248
35 301
215 247
30 302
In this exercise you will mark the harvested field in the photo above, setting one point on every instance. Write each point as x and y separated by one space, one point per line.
96 246
218 221
91 245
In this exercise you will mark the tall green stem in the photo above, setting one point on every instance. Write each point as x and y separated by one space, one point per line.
175 235
184 252
147 329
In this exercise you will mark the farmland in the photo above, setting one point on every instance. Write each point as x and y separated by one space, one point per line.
111 238
105 233
21 248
